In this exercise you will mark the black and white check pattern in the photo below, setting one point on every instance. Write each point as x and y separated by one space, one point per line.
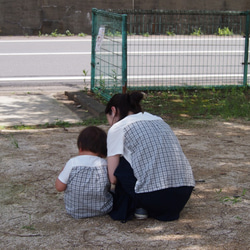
87 192
156 156
153 151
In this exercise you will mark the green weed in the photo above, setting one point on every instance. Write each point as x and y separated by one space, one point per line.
85 72
146 34
14 141
29 226
233 199
170 33
102 84
63 124
95 121
54 33
112 33
118 33
68 33
197 32
82 34
225 32
56 124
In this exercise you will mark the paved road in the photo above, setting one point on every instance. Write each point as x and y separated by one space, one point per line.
183 59
62 60
44 59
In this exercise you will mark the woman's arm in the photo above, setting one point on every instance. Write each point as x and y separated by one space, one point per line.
113 162
60 186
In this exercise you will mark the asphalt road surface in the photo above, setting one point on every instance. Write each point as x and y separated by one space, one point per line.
44 59
63 59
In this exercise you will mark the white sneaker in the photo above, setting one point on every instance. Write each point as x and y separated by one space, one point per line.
141 214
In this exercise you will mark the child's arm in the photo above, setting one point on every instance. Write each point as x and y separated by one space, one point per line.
60 186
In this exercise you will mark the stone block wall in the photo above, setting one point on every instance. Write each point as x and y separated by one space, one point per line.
29 17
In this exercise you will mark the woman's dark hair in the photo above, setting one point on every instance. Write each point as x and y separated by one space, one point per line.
125 103
93 139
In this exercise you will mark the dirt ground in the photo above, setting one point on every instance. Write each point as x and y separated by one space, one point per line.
216 217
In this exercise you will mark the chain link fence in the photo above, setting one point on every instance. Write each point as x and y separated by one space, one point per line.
176 49
109 53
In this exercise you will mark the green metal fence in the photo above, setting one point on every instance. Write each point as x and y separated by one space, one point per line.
172 49
109 53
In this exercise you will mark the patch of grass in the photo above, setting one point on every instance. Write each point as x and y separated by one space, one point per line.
185 104
57 124
85 73
170 33
68 33
95 121
55 33
178 106
233 199
22 127
225 32
29 227
197 32
14 141
63 124
146 34
113 33
82 34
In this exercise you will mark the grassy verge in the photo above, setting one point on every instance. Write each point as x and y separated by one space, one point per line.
58 124
183 105
180 106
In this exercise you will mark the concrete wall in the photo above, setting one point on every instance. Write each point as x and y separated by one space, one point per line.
29 17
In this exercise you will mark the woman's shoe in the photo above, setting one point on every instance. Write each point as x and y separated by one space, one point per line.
141 214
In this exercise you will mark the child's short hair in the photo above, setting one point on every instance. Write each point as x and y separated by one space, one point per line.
93 139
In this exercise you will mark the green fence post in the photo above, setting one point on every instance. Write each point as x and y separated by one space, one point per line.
246 48
124 54
93 48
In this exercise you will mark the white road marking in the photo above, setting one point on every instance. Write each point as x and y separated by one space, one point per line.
45 54
45 41
87 78
44 78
